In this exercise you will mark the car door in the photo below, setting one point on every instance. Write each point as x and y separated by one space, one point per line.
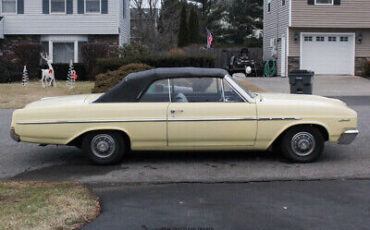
150 130
208 112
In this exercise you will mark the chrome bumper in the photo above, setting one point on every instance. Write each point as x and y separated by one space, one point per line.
14 136
348 136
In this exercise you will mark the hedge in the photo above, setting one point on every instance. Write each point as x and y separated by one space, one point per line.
108 80
9 72
109 64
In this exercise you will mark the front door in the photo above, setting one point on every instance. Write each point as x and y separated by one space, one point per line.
206 112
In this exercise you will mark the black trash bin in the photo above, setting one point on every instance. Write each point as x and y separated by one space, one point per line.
301 81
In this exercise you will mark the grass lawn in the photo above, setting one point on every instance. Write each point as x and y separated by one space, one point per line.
14 95
41 205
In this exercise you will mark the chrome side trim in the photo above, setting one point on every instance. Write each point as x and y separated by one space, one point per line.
155 120
91 121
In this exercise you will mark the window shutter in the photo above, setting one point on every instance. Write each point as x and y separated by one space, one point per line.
104 6
311 2
337 2
124 8
69 6
45 6
81 6
20 8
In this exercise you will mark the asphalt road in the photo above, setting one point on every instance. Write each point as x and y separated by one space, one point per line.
262 205
30 162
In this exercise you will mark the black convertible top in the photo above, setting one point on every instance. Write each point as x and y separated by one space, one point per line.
134 84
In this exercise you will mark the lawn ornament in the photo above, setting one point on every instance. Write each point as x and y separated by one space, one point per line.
25 76
72 76
48 75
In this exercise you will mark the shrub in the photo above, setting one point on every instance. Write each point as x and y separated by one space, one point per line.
29 54
90 53
107 64
366 70
133 50
61 71
9 71
106 81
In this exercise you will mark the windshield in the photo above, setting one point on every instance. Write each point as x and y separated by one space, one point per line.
250 94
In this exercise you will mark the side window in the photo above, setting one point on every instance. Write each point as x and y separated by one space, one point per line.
157 92
230 94
196 90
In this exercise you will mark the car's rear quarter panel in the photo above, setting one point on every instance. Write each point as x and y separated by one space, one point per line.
141 133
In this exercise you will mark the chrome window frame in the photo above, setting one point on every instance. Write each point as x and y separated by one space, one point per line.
242 93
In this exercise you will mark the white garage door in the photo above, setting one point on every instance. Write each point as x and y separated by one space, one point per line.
328 53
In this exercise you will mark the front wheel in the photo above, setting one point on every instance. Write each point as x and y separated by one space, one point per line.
104 147
302 144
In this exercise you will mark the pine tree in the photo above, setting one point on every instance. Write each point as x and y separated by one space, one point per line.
25 76
194 34
70 80
182 38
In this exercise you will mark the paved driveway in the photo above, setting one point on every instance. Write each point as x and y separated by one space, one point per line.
324 85
28 161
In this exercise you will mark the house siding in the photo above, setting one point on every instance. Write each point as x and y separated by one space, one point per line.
275 25
350 14
33 21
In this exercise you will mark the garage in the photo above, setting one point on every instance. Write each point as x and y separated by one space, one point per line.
328 53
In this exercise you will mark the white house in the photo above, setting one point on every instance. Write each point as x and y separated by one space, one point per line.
62 26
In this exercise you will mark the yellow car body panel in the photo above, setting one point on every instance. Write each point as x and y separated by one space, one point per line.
182 126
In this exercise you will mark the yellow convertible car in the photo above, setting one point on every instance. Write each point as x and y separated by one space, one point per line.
185 109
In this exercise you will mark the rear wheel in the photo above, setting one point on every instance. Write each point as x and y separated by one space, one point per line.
105 147
302 144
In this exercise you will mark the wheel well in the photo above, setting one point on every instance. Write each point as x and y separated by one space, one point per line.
322 130
78 140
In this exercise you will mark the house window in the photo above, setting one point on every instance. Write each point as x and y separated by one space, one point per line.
283 2
269 6
323 2
308 38
9 6
57 6
332 39
93 6
320 39
63 52
344 39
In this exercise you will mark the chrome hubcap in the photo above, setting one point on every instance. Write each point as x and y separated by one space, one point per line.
103 145
303 144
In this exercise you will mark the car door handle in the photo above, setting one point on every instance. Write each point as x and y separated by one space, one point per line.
177 111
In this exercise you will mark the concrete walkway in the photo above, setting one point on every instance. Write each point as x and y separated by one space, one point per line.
324 85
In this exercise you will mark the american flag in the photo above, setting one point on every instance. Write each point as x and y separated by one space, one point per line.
209 39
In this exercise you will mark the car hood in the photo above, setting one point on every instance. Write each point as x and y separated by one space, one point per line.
298 99
64 100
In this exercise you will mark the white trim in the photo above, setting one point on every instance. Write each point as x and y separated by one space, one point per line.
9 13
65 8
290 12
85 5
283 57
324 4
329 33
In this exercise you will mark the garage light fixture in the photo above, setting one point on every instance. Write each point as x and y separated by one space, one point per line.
359 38
296 37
